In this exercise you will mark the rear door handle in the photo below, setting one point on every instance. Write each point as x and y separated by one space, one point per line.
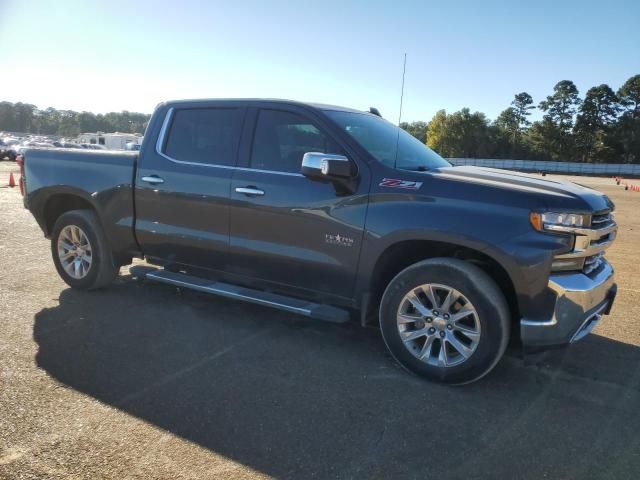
250 191
152 179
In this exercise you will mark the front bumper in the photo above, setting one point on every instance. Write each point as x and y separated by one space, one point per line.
581 300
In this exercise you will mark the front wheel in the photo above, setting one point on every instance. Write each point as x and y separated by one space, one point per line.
81 252
446 320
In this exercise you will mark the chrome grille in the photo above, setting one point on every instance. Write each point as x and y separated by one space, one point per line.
591 243
603 240
601 219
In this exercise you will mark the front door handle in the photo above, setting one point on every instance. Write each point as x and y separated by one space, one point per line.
152 179
250 191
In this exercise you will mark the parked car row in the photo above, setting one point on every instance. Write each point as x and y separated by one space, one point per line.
11 146
86 146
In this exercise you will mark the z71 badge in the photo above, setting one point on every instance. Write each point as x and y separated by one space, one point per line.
395 183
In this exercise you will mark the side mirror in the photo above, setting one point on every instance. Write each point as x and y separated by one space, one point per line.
325 165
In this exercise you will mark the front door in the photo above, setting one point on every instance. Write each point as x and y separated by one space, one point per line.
182 187
289 229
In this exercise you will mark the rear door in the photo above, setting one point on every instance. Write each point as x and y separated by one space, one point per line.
182 186
286 228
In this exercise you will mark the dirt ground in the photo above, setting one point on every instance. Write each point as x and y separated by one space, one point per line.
149 381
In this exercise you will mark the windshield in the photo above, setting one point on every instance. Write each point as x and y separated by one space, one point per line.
387 143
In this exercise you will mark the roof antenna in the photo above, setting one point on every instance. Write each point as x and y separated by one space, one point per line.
404 69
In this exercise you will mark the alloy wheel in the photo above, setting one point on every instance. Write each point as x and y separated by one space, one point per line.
74 251
438 325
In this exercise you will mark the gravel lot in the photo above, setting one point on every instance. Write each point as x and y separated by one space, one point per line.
148 381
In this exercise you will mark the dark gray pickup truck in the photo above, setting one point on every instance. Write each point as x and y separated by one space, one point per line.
334 214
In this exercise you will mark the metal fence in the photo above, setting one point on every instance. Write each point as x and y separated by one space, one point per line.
602 169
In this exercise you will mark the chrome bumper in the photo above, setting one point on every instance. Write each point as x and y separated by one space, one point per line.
581 301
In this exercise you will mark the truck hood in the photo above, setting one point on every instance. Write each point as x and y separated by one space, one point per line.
554 193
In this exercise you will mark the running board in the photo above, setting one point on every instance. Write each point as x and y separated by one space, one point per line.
308 309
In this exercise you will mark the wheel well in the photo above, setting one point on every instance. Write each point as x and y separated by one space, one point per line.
62 203
403 254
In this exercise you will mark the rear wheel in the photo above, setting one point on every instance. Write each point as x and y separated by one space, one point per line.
80 251
446 320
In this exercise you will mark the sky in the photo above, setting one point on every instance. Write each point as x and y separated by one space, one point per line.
105 56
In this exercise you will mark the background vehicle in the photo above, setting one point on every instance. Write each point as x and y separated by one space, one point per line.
91 146
6 148
326 211
65 144
110 141
19 149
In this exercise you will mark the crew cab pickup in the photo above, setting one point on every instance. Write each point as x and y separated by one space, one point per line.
335 214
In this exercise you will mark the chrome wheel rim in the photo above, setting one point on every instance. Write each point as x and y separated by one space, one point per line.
74 252
438 325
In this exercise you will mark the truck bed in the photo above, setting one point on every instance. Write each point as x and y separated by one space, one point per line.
104 179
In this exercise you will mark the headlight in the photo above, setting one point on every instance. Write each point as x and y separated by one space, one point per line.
565 223
548 220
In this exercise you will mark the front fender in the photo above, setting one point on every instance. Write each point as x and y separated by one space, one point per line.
501 232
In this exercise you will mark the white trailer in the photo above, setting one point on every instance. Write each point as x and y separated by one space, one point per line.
111 141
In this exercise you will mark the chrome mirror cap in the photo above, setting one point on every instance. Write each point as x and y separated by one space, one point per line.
327 165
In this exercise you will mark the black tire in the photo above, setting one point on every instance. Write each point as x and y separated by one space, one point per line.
479 289
103 269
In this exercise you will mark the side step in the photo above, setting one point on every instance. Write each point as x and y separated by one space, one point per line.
308 309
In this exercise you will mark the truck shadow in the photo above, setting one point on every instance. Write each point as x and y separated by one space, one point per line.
296 398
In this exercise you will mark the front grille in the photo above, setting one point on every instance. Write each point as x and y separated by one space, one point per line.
603 240
590 243
601 219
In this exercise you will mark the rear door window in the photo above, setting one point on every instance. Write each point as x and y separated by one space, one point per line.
204 135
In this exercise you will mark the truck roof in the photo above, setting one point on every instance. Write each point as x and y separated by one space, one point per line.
319 106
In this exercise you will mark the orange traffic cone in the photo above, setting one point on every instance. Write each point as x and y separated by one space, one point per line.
12 182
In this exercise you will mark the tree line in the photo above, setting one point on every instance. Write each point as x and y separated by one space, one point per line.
602 127
27 118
